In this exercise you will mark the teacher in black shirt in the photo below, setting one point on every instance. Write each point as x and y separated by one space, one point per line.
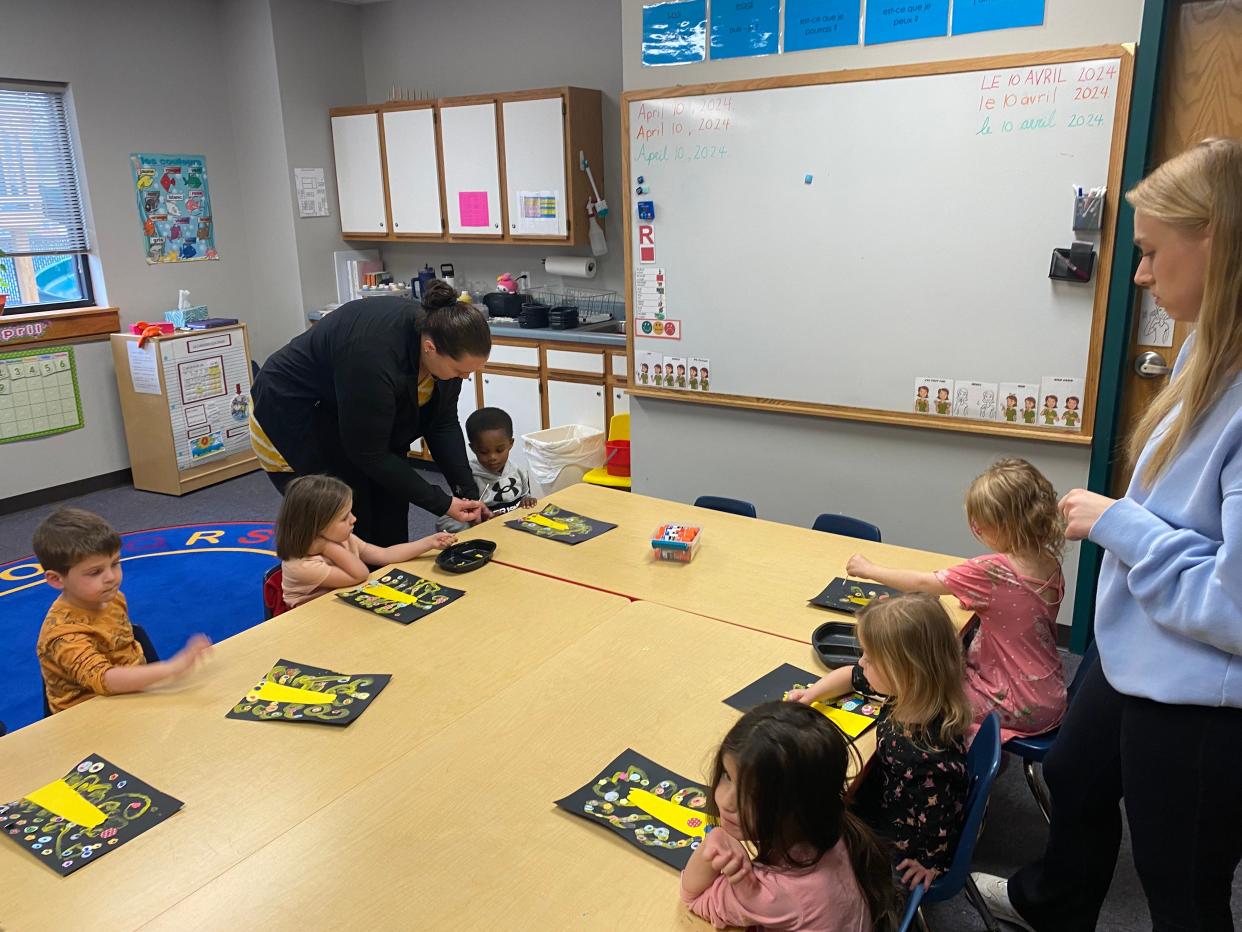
349 396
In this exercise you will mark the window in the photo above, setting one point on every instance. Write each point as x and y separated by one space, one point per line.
42 223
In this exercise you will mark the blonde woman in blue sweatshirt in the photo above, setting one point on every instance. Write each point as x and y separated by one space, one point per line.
1159 720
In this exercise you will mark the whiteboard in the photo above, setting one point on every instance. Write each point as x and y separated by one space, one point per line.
828 244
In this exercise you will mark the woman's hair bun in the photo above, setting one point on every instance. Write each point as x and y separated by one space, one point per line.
438 294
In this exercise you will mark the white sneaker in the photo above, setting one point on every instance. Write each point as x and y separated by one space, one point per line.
995 893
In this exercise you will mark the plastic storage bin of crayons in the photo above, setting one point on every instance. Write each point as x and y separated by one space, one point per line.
677 543
836 643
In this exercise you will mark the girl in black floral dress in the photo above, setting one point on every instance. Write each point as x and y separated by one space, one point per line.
914 789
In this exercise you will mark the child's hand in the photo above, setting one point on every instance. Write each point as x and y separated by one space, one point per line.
913 873
196 648
529 501
859 566
727 856
798 695
440 540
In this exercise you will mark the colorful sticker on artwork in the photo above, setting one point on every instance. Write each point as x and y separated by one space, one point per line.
298 692
400 596
92 810
556 523
660 812
853 712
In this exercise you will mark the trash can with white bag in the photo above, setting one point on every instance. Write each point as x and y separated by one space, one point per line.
560 456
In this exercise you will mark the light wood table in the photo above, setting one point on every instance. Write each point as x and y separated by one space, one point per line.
461 833
747 571
246 784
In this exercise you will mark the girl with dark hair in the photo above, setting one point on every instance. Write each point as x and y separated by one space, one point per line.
349 396
779 784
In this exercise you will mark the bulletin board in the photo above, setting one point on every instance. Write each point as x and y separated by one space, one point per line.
826 244
38 393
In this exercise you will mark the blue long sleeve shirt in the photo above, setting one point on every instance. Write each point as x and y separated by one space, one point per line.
1168 613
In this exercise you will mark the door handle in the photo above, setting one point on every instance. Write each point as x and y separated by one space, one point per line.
1151 365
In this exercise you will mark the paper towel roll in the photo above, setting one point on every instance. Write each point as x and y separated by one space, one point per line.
570 266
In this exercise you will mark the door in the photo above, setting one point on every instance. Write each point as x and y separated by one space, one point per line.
576 403
413 171
1200 95
534 142
471 170
359 177
519 397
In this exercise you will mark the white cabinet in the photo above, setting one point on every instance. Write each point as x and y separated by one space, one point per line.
413 171
519 397
471 169
534 141
576 403
359 178
467 401
620 401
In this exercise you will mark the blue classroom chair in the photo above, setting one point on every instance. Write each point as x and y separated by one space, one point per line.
982 764
733 506
1033 750
847 527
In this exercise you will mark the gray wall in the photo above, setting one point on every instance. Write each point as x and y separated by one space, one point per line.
318 45
457 47
250 120
908 481
126 101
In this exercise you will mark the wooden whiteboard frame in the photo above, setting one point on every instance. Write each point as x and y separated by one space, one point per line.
1121 115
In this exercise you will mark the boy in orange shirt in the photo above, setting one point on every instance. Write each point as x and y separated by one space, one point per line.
86 646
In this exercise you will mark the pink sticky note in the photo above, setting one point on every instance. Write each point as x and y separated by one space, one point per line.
472 207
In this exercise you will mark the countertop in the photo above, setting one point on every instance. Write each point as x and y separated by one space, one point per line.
536 335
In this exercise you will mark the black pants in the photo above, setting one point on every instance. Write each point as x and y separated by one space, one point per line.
383 518
1179 768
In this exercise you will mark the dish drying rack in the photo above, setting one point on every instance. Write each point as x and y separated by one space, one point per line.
592 304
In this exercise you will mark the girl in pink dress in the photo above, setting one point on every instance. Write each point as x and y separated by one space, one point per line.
1012 664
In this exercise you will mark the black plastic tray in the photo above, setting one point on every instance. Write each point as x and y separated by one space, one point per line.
836 644
466 556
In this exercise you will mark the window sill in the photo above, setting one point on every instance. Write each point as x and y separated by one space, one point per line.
76 325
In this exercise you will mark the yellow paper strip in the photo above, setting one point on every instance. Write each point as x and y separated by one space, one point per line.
389 593
851 723
59 798
547 522
687 821
278 692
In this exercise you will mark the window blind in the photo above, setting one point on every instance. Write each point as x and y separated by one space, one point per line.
40 202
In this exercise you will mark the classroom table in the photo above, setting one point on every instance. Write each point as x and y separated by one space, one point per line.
747 571
460 832
247 784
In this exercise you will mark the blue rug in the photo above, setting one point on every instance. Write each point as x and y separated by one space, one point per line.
178 581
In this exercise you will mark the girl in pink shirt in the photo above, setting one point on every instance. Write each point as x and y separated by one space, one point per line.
1012 664
317 546
779 784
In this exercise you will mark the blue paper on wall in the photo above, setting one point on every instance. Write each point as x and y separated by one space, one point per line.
674 33
889 21
742 28
820 24
985 15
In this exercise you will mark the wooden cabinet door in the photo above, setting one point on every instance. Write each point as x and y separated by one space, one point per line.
471 170
535 170
413 171
359 177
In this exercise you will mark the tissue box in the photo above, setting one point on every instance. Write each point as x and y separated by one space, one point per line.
180 318
677 542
